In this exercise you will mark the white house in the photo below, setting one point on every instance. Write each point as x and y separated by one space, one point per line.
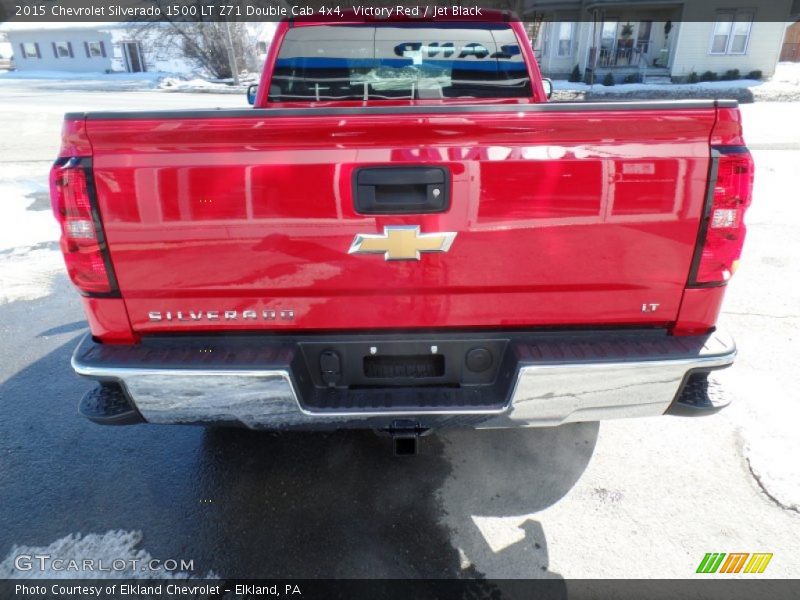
659 38
89 47
108 47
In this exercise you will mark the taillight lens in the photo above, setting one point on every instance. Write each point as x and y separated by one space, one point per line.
725 228
80 241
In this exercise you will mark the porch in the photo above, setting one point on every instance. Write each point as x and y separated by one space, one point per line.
626 40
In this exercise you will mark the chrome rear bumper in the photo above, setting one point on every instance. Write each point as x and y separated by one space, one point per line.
550 381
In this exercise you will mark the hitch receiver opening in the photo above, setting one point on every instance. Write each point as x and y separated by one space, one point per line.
405 445
405 437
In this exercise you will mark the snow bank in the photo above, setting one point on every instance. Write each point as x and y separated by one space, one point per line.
772 452
197 84
168 82
83 81
765 414
787 73
82 76
621 88
29 254
783 86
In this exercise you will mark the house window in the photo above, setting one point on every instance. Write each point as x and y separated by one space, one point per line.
95 50
61 50
731 32
261 47
30 50
566 32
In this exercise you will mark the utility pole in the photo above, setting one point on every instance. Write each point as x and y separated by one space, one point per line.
232 55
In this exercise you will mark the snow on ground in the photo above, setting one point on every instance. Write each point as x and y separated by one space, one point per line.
169 82
82 76
196 84
620 88
783 86
765 414
114 549
177 83
29 254
772 449
786 73
82 81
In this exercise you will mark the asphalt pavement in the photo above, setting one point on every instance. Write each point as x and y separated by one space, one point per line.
635 498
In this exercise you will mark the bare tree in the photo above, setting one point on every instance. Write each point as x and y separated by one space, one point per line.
213 46
207 45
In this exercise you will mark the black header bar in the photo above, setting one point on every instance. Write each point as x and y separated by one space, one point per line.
132 11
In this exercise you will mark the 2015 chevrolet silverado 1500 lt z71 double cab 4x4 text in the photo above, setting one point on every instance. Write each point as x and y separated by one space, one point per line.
402 234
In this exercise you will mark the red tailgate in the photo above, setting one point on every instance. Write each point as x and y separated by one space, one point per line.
562 215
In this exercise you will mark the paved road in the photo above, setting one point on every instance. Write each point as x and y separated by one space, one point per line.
630 498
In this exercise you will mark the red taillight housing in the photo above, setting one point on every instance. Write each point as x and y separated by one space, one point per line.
723 230
81 239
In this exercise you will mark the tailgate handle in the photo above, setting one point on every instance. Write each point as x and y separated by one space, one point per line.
401 190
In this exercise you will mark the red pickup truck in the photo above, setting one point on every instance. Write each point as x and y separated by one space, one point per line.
402 234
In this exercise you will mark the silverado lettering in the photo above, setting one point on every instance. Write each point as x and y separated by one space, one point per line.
544 262
216 315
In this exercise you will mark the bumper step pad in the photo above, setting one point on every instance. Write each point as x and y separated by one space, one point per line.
701 395
107 404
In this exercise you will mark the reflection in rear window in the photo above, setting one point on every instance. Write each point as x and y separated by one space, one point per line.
395 62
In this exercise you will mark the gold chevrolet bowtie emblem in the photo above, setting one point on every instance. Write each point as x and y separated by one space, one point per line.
401 242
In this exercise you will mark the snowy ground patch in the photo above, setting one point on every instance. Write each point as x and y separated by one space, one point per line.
122 82
83 81
764 413
115 552
199 85
771 450
784 85
29 254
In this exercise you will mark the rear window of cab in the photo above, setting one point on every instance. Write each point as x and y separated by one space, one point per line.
397 61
